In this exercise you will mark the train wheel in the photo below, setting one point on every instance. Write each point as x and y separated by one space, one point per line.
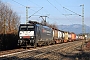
53 42
48 43
35 45
62 41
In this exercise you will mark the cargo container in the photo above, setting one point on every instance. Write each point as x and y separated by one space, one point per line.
73 36
65 36
60 36
55 35
77 37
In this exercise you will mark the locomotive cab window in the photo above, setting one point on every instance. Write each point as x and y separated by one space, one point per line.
26 28
30 28
23 28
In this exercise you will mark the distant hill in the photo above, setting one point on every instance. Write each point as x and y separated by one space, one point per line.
76 28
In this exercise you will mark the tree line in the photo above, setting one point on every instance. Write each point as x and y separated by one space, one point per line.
9 20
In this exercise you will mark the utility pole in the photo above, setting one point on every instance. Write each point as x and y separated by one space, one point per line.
83 27
27 14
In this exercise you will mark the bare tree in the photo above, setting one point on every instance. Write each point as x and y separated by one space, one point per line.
9 20
53 26
2 17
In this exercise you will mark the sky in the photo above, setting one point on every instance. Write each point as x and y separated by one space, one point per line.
53 9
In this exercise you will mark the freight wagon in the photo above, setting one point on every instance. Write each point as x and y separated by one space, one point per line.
34 34
71 36
58 35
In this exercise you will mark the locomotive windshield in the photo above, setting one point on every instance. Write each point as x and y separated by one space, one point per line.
30 28
23 28
26 28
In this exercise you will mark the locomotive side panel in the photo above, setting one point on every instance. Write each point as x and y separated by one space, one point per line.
46 35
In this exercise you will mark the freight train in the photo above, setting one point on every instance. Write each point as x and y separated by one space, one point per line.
35 33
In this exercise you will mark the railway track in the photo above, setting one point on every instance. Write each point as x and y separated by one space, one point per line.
62 50
46 52
11 51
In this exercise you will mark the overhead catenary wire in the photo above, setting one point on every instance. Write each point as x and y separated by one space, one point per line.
36 12
71 11
60 4
23 5
62 7
27 10
68 10
34 3
56 8
40 7
18 3
74 13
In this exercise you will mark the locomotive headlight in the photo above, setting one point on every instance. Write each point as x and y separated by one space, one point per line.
32 37
20 37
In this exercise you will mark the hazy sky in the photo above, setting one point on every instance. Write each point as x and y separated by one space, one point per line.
53 9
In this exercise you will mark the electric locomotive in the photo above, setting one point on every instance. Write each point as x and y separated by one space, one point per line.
34 34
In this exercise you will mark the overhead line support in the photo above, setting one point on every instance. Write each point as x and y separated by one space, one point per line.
27 14
83 28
